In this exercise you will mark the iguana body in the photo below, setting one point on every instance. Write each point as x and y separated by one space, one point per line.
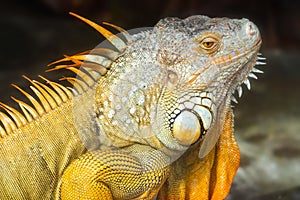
137 119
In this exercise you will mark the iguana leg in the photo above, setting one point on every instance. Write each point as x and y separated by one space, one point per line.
209 178
114 174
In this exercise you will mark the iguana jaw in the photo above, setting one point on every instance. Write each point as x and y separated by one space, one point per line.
241 76
245 72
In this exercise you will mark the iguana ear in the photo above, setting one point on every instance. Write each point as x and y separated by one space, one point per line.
208 178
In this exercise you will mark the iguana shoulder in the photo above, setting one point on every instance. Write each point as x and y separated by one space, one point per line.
150 114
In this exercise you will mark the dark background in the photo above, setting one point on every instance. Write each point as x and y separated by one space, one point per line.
34 33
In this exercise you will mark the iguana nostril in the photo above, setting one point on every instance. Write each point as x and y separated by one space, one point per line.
250 29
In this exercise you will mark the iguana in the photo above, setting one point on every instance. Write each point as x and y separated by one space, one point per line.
149 117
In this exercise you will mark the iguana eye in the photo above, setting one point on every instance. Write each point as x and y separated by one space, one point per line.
208 43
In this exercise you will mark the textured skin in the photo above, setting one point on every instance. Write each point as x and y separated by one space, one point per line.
156 121
30 164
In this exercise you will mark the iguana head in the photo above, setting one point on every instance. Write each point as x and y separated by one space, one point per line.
215 55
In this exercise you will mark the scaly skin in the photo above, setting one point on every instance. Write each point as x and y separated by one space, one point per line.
108 174
152 117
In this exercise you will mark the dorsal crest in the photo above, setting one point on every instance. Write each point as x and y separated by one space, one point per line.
47 95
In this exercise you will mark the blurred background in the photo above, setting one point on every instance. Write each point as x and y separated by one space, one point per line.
34 33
